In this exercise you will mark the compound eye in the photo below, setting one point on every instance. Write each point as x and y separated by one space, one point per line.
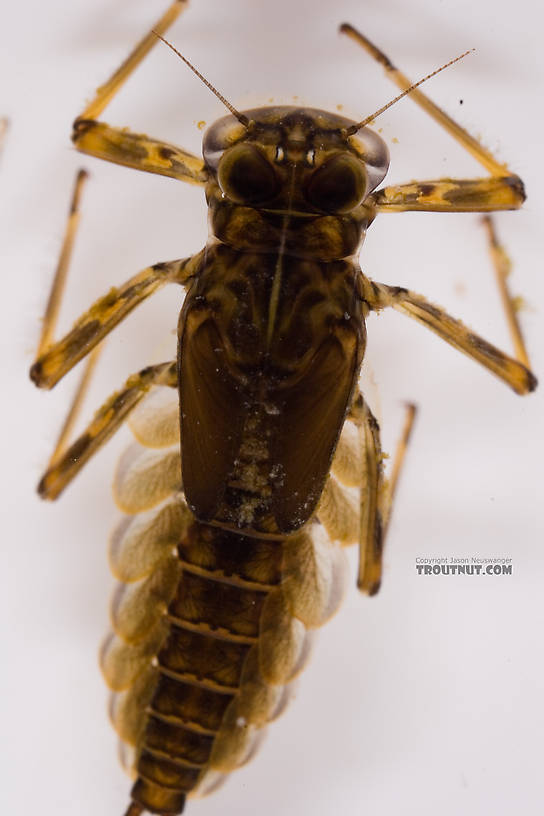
245 175
339 185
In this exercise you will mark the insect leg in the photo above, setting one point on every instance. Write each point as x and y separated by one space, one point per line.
61 273
106 421
52 311
371 521
55 359
75 407
503 191
376 493
502 265
512 372
480 153
398 460
54 362
452 195
120 145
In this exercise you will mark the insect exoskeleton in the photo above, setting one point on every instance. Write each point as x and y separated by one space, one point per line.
236 491
210 626
274 320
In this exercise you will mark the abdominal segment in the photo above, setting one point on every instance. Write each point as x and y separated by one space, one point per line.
210 627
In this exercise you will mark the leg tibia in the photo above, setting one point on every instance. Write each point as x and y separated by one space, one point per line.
106 421
103 316
512 372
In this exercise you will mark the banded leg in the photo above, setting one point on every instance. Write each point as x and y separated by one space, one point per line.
120 145
502 266
75 407
52 312
55 359
376 495
512 372
61 273
503 191
452 195
106 421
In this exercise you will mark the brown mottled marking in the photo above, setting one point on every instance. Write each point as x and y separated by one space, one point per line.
138 151
211 619
426 189
431 310
511 371
106 421
104 315
453 195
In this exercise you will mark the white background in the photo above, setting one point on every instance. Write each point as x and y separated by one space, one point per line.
426 699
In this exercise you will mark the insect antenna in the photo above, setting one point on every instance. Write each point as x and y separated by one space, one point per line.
354 128
240 116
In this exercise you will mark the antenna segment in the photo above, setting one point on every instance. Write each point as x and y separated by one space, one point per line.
240 116
354 128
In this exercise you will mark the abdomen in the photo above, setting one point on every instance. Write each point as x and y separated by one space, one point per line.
211 626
